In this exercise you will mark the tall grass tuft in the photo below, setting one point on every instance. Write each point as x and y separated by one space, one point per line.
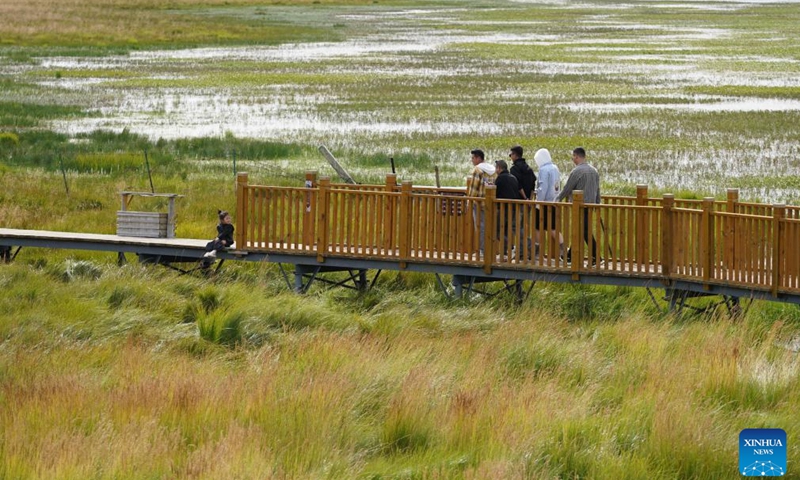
222 326
8 140
404 430
210 299
77 269
105 162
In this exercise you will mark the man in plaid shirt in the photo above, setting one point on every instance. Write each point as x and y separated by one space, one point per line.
483 174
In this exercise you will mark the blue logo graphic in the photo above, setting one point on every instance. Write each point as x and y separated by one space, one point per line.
762 452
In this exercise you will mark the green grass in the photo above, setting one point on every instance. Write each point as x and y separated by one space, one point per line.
15 115
481 391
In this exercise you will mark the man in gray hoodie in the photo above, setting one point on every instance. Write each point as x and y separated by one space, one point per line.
483 174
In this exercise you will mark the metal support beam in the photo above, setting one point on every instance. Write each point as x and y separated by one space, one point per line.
442 286
6 255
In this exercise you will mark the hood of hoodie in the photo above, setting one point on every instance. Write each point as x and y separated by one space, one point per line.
542 157
487 168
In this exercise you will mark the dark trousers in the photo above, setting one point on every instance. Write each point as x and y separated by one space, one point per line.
586 234
512 226
214 245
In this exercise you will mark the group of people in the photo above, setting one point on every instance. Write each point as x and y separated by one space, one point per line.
521 183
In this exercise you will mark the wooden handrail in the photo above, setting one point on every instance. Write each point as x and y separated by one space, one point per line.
707 242
577 233
241 210
490 228
721 243
322 218
778 213
405 224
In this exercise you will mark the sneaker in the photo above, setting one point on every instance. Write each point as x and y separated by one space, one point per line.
211 254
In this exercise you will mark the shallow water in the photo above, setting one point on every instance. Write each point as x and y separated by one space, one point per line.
403 48
729 105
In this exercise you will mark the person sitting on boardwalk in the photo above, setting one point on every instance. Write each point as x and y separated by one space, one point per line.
547 191
483 174
583 177
522 172
507 188
224 238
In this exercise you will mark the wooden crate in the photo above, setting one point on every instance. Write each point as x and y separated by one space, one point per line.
143 224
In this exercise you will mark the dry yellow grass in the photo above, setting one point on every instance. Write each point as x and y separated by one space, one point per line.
138 22
535 396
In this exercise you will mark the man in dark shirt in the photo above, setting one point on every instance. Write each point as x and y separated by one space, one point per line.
522 172
507 188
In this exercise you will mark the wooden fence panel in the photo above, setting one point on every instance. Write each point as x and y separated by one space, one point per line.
686 243
744 244
444 226
359 221
274 219
789 254
752 260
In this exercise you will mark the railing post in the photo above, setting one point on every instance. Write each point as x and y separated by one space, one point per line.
667 203
388 217
309 211
577 233
241 211
778 214
322 218
707 241
641 225
730 230
490 227
405 223
733 199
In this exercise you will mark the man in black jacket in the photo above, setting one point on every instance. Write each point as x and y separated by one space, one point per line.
507 188
523 173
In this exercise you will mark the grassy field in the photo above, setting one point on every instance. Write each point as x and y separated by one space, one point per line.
138 372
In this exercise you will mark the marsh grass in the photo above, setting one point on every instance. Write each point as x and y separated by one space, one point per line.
447 390
133 25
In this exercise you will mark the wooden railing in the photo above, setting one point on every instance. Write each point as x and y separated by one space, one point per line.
706 241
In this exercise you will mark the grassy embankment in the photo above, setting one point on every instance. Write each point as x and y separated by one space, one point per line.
136 372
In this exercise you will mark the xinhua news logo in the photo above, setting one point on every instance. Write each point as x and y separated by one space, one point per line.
762 452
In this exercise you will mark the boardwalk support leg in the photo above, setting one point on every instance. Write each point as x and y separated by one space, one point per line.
6 255
653 298
443 286
306 275
301 273
361 284
458 283
677 300
374 279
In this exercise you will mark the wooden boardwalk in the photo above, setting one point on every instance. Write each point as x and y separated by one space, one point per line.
706 243
44 238
727 247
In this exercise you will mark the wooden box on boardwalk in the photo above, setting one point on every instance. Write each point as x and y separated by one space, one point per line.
143 224
146 224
